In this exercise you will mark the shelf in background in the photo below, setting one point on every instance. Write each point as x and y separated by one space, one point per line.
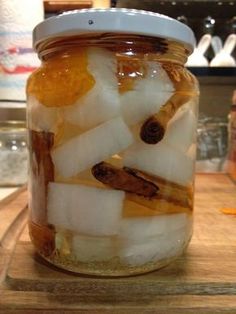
12 104
214 71
66 5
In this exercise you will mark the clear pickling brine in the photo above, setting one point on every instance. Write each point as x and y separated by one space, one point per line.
112 118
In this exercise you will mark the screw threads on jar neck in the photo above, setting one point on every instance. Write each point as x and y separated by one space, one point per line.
152 48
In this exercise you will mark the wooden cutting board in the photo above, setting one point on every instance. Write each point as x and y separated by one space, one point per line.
203 280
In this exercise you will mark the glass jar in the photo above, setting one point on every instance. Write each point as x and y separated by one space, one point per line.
212 144
112 117
231 162
13 153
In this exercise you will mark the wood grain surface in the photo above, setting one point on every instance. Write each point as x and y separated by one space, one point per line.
203 280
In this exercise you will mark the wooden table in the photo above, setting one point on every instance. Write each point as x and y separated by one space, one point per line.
201 281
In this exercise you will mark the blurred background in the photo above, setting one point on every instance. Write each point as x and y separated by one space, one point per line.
216 19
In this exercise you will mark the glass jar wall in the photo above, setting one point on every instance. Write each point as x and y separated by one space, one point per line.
112 134
13 153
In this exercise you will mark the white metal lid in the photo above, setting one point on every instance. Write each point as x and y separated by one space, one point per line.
127 21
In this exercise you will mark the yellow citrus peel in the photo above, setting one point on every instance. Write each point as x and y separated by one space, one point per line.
61 80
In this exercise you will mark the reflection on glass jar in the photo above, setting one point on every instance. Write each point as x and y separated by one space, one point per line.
13 153
112 137
212 144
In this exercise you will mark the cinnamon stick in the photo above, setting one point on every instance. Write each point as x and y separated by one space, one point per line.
154 128
122 179
41 172
43 238
168 191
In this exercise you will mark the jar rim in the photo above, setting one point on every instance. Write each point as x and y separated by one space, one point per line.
125 21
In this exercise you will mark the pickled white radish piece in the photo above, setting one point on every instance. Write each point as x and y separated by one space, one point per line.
181 130
93 146
93 249
141 228
84 209
161 160
148 95
102 102
40 117
154 249
151 239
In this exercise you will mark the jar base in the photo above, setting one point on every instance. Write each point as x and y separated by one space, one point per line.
111 268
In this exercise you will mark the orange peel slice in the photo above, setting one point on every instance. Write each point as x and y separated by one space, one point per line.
228 211
61 80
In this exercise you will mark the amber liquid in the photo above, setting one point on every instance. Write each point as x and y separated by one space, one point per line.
44 239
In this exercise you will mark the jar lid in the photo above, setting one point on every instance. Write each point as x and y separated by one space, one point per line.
126 21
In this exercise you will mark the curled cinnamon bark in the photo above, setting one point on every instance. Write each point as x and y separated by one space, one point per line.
122 179
153 129
43 238
170 192
41 172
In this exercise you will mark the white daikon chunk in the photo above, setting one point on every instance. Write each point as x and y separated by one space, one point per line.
93 249
154 249
102 102
148 95
181 130
84 209
161 160
140 228
93 146
40 117
143 243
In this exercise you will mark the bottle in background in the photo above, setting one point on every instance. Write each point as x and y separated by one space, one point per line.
232 139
